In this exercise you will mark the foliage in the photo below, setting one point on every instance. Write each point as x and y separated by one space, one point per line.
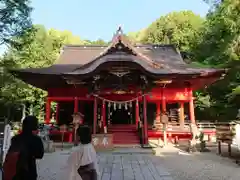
14 18
41 51
219 46
178 28
213 3
136 37
99 42
219 39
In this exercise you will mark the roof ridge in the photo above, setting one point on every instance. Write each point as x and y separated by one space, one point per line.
136 45
81 45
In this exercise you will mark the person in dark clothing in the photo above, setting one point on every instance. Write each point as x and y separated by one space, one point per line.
32 143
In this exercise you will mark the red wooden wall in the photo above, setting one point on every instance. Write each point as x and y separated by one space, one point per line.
181 94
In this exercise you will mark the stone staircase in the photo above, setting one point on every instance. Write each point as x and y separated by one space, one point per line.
124 134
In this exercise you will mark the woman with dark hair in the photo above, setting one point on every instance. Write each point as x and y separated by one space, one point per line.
28 147
82 162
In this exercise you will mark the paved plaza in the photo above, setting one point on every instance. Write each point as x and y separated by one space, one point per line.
122 166
130 164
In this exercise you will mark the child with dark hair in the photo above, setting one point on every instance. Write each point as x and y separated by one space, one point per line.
83 159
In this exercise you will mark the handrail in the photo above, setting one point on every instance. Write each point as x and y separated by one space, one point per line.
205 125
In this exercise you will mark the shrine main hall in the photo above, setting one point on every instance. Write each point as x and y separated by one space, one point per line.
121 87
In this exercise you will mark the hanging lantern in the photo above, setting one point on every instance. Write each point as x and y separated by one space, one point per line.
126 106
109 104
130 104
114 106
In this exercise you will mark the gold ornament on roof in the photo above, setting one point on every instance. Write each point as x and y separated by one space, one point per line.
163 81
120 92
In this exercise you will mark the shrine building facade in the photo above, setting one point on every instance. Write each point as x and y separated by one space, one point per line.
119 86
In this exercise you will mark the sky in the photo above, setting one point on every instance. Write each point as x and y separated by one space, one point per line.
94 19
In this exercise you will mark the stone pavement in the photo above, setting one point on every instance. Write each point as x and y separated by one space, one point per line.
130 164
131 167
112 166
50 167
197 166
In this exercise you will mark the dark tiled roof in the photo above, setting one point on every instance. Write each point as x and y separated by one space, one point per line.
83 59
54 69
79 54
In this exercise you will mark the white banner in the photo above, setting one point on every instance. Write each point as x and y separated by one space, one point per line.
105 141
237 130
95 141
6 140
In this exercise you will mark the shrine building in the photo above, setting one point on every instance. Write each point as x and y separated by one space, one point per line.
118 86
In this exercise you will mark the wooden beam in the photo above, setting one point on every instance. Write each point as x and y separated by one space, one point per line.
95 116
181 113
75 104
145 123
191 108
137 113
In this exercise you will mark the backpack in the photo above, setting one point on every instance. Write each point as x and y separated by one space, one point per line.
15 165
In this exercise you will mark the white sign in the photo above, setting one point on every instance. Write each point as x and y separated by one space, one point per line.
7 140
95 141
237 129
105 141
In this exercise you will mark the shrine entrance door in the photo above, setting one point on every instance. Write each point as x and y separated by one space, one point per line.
122 116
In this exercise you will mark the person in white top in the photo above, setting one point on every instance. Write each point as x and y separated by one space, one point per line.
82 162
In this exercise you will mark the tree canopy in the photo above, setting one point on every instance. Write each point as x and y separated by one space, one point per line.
41 51
219 46
14 18
178 28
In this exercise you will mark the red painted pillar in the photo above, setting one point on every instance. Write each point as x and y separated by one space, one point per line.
164 108
75 104
145 120
103 114
137 113
158 112
95 116
181 113
48 111
191 108
57 112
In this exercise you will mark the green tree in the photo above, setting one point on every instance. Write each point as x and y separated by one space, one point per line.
41 51
98 42
178 28
136 37
219 46
14 18
219 42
